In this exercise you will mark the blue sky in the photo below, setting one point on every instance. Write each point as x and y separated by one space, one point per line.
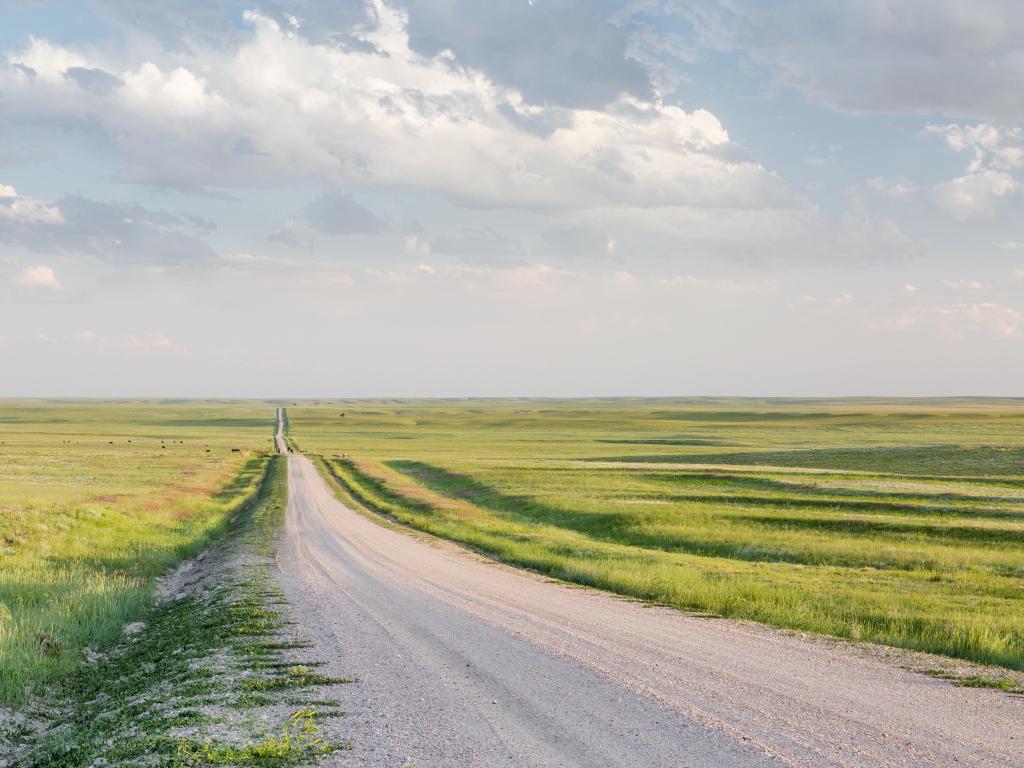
546 197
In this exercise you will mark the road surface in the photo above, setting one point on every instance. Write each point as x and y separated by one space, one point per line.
462 662
279 440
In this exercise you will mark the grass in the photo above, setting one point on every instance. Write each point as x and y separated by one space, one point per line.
96 500
181 691
898 522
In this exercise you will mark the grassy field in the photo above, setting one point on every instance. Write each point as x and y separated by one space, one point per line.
895 522
96 500
215 676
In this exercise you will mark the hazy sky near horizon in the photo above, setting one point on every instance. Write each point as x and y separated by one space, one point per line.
511 197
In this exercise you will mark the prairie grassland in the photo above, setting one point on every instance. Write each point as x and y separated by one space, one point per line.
96 500
896 522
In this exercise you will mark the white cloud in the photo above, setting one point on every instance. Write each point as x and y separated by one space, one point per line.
1009 245
46 60
20 209
975 194
996 152
994 147
40 276
380 114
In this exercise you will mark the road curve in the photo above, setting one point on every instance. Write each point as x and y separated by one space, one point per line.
462 662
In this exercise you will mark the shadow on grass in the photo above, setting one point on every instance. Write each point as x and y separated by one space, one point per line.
626 528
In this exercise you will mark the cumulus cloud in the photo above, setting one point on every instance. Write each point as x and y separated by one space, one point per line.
16 209
974 194
570 52
40 276
996 152
384 114
993 147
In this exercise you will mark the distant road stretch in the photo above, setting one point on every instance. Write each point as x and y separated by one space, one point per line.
462 662
279 439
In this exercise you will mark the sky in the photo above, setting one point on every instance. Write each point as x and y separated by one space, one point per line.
450 198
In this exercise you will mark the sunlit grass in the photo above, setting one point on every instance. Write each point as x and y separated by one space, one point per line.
96 500
900 523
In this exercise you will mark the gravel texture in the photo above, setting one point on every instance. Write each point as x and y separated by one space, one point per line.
465 662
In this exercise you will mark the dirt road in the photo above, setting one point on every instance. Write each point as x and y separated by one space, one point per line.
279 440
462 662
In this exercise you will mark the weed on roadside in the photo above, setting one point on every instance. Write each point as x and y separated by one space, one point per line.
208 680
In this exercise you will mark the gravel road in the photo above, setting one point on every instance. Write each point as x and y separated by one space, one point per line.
279 440
462 662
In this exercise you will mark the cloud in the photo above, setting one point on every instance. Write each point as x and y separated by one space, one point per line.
996 151
912 57
17 209
329 213
93 80
994 147
898 188
338 213
384 114
40 276
568 242
179 26
975 194
573 53
153 342
576 53
482 244
718 285
1009 245
964 319
294 231
123 232
965 285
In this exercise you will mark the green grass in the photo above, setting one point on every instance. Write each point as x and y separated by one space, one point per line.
899 522
96 500
181 691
